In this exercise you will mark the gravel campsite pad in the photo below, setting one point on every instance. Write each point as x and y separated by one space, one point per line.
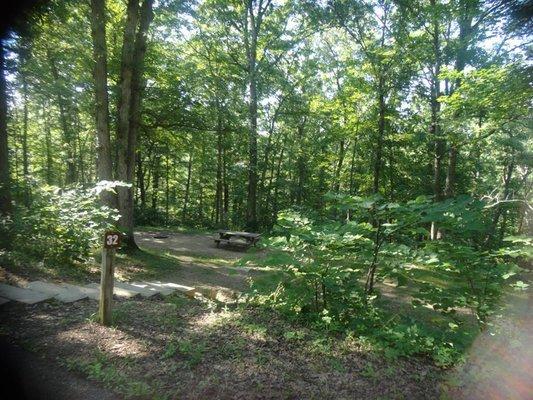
197 244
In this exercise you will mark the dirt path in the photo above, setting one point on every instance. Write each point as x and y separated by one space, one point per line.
193 244
201 264
500 362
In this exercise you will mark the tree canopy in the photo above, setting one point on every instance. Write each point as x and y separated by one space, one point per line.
222 113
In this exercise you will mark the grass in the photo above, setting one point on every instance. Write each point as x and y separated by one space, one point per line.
145 264
100 367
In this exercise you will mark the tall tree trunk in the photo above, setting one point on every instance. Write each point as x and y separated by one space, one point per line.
251 50
80 152
167 187
338 169
124 115
5 184
25 160
449 190
390 147
507 176
434 130
219 183
155 186
131 84
275 205
380 135
465 31
201 176
184 214
48 145
104 166
263 189
525 224
66 125
140 181
225 207
352 161
301 165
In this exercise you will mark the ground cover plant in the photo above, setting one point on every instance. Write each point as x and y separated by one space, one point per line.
178 348
329 270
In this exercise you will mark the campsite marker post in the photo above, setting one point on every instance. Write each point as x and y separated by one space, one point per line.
111 242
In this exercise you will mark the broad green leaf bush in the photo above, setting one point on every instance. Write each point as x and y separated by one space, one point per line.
61 225
328 267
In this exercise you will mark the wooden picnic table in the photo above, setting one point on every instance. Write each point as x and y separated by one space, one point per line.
236 238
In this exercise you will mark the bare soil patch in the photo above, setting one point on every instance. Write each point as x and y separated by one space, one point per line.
187 259
192 244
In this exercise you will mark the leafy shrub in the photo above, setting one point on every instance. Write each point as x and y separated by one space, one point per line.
61 225
328 269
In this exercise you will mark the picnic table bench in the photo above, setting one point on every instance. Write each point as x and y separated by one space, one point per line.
245 239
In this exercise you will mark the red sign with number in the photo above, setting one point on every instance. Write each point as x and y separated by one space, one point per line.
112 240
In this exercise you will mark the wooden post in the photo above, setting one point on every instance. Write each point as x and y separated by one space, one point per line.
111 242
106 286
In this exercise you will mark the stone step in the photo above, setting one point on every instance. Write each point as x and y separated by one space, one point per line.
91 293
61 293
117 291
143 290
160 287
189 291
27 296
3 300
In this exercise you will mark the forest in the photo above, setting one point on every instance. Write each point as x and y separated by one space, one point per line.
382 148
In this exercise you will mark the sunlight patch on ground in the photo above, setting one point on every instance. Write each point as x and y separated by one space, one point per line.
113 341
214 319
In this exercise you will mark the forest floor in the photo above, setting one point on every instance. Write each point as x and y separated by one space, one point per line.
180 348
185 349
499 364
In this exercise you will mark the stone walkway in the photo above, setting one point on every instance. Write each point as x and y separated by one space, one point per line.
38 291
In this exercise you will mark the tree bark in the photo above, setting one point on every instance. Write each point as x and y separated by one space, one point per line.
48 145
301 165
104 167
380 135
131 84
167 187
5 179
434 130
275 205
155 187
225 209
140 181
352 161
449 190
251 52
184 214
507 176
124 115
66 125
219 183
465 30
338 169
25 161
